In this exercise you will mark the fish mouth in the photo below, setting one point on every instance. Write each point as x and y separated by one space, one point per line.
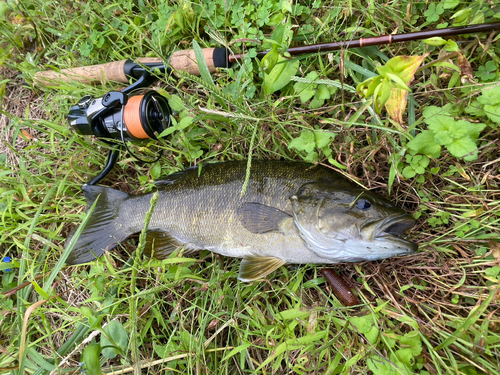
391 229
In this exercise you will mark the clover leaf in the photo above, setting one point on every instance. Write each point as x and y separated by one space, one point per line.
488 71
309 141
433 12
458 136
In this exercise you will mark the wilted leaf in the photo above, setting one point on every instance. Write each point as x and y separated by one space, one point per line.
396 104
398 98
405 66
465 67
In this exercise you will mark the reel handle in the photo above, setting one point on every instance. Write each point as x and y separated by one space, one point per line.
118 71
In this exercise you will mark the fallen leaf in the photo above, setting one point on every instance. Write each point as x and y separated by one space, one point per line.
465 68
28 136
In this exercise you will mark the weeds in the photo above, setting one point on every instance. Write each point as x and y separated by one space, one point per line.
432 313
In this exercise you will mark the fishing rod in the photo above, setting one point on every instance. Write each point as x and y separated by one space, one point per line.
128 116
380 40
121 71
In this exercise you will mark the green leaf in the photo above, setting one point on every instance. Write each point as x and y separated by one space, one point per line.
323 139
490 96
405 355
323 92
493 113
4 7
280 75
156 171
305 142
435 41
306 95
443 137
185 122
270 59
202 64
424 144
399 83
117 340
286 6
413 341
372 335
409 172
475 109
463 146
90 357
334 162
40 291
446 64
316 103
363 323
492 271
176 103
451 46
450 4
380 366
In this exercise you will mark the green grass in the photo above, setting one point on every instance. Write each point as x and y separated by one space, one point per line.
432 313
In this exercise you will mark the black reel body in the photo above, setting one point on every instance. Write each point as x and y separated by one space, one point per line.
120 115
139 117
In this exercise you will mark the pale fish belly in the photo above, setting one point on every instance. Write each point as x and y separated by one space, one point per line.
285 244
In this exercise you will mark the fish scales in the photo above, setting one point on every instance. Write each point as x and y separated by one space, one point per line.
192 208
291 212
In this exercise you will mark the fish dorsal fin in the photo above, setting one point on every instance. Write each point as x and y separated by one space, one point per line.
174 177
160 243
257 267
259 218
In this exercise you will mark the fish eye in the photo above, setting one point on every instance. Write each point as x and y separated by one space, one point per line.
363 204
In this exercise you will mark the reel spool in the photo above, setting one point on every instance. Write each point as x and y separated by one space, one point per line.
117 116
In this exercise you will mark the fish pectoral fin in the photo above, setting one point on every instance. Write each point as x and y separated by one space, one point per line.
259 218
257 267
160 244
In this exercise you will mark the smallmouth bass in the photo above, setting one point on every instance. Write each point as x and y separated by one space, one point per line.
291 212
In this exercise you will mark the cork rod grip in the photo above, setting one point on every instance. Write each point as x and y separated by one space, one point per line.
112 71
115 71
186 61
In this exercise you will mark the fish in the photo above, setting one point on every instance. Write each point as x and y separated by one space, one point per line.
290 213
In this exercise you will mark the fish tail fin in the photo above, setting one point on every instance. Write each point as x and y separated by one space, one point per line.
103 231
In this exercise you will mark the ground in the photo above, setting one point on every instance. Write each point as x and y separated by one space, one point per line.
435 312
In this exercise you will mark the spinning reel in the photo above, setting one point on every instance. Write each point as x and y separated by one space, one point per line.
123 115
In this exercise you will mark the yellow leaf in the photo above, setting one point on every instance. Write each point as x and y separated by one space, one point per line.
398 99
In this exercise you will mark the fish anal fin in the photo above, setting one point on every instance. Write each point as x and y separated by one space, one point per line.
257 267
161 244
259 218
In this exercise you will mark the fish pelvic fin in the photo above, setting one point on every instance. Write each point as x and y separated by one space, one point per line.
104 230
257 267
